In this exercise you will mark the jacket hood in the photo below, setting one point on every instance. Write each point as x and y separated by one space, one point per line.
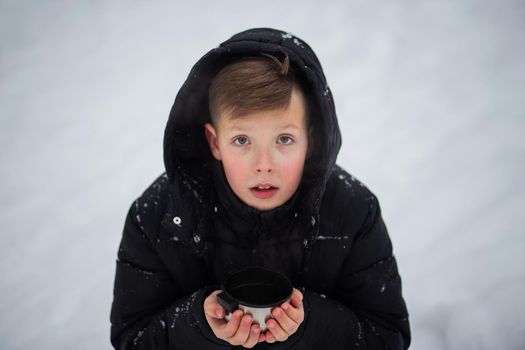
186 151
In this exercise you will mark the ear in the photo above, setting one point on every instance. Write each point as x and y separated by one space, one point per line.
211 137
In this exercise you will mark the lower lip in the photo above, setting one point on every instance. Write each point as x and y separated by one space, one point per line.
264 194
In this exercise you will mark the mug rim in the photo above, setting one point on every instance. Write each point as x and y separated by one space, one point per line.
283 277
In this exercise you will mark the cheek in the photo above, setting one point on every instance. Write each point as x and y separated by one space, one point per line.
235 173
293 169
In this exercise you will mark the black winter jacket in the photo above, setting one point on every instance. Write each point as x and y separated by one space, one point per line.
188 230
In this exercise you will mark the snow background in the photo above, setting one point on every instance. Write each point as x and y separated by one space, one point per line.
430 98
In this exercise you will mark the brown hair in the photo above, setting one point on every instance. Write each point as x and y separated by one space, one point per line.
252 84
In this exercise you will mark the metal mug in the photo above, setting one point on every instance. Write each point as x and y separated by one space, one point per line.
256 291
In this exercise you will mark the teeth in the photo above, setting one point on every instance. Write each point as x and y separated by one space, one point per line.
263 188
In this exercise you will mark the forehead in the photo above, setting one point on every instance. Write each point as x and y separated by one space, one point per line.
293 116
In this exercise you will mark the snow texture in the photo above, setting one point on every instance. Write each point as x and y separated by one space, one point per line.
430 98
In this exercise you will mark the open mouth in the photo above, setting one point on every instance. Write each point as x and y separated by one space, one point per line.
263 191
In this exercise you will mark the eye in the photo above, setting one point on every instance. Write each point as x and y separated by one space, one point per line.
285 140
240 141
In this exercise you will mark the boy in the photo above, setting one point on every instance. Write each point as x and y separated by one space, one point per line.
251 180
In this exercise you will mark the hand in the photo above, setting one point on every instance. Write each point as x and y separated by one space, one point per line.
288 318
239 330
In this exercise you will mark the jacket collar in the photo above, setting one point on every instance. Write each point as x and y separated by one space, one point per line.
188 218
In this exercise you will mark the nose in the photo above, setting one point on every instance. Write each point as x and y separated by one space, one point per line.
264 162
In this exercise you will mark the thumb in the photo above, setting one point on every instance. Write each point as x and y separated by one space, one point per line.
215 311
219 311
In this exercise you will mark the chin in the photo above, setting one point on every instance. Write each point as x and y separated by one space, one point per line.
265 207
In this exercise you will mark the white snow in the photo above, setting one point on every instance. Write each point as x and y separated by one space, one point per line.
324 238
430 99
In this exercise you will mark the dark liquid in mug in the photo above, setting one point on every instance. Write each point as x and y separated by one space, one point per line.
257 293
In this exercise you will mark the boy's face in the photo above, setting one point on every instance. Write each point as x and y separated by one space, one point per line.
260 150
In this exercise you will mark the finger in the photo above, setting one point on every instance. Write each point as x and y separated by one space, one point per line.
286 323
296 298
230 328
296 314
211 307
269 337
278 333
253 338
220 312
296 302
262 337
214 310
243 331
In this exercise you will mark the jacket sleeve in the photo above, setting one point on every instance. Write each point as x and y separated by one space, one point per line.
149 309
366 310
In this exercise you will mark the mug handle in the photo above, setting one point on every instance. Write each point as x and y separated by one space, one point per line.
226 302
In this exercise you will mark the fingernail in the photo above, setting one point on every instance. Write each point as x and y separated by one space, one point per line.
285 306
277 312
